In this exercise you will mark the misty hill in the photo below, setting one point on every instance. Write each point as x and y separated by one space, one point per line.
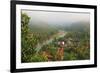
78 26
41 26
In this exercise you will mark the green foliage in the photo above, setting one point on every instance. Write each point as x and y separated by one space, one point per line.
38 58
26 39
77 44
70 56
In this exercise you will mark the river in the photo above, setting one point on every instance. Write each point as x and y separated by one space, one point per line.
57 36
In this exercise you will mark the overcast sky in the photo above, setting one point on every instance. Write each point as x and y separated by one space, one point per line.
50 17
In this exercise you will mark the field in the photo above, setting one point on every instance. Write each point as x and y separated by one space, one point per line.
43 42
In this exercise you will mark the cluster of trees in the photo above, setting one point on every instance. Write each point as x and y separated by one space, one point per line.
79 48
76 47
29 41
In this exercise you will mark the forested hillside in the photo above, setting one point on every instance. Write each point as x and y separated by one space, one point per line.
42 44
